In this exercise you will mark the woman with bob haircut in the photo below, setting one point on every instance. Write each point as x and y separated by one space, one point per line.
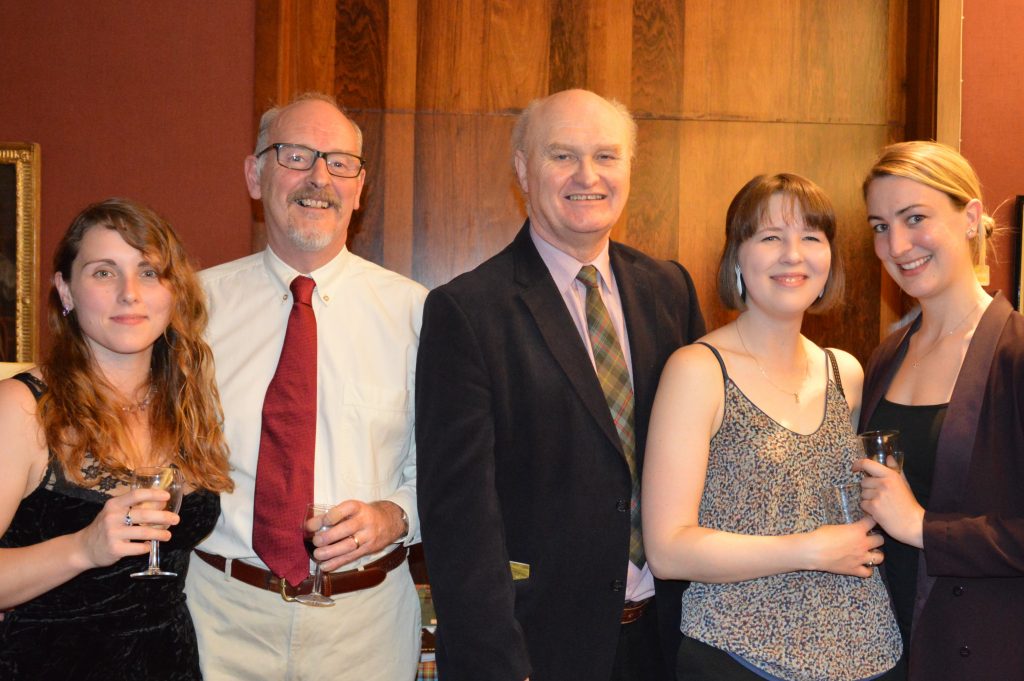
751 428
128 383
952 384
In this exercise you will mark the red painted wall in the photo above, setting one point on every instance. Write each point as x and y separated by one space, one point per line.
149 100
992 135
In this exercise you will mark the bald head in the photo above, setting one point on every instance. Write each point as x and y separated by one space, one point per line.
569 103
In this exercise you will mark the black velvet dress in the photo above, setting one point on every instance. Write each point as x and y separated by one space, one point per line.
102 624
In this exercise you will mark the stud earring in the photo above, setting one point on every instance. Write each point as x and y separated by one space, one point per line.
65 311
739 281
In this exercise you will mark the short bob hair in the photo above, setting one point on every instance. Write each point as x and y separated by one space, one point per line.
940 167
748 210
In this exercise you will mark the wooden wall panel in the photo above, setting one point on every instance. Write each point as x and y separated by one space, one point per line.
721 91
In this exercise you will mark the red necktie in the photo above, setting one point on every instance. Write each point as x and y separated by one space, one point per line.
284 473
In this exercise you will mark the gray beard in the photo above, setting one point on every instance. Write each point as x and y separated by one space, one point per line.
311 241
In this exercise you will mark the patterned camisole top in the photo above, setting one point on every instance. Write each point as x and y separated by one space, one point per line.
764 479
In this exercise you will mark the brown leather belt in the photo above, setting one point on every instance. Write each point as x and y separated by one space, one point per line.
632 611
368 576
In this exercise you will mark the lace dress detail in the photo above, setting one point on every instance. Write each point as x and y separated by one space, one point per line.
764 479
101 624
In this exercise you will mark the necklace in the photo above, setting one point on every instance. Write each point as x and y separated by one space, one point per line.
807 369
142 404
943 336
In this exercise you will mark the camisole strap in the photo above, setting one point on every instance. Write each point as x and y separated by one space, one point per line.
32 383
721 362
835 372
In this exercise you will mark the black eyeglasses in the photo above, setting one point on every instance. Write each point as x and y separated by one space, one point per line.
298 157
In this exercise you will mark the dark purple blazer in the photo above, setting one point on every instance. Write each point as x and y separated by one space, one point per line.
518 460
969 613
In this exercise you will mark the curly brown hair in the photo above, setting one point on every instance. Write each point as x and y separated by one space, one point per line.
79 413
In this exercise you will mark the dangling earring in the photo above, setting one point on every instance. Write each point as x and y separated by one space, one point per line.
822 294
65 312
739 281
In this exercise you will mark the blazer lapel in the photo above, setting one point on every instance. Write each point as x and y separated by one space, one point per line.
542 299
638 308
960 427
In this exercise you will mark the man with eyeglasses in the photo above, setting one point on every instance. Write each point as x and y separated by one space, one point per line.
315 351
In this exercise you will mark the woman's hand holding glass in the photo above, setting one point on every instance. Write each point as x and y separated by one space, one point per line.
165 478
886 495
849 549
108 538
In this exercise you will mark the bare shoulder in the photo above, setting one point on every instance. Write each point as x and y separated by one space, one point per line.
23 450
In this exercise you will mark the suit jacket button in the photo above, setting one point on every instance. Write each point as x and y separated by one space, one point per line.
617 585
965 651
622 506
959 590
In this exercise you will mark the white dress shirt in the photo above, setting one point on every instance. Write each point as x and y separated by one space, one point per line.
564 268
368 322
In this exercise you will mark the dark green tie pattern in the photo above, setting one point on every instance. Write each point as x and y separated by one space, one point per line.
618 393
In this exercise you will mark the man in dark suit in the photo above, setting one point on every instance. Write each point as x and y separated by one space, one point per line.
535 378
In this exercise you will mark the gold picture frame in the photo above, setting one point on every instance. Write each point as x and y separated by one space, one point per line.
19 252
1018 222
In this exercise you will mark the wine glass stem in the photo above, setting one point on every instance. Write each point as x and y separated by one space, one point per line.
154 555
318 580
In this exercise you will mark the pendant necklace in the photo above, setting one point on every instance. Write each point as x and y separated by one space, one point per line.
142 404
941 337
807 369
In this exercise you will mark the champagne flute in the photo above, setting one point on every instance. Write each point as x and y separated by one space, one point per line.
879 445
166 478
316 597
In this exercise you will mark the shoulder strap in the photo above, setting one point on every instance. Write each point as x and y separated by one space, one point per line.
32 383
721 362
835 372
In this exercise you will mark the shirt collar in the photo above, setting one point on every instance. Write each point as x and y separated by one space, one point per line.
327 278
564 267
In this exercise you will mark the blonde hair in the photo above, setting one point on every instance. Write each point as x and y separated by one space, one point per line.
750 207
78 412
942 168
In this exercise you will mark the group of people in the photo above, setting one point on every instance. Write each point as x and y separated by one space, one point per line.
604 490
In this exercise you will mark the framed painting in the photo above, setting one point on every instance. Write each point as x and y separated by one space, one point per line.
19 252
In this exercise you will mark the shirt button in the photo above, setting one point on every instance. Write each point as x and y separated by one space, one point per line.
617 585
959 590
965 651
622 506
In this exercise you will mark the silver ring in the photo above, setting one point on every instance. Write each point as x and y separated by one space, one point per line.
128 516
355 540
871 563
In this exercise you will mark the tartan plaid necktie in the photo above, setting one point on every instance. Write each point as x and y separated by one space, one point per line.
618 393
284 470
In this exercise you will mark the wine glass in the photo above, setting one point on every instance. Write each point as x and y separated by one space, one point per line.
879 445
315 597
166 478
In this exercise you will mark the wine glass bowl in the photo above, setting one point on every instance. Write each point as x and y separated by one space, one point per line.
315 597
166 478
879 445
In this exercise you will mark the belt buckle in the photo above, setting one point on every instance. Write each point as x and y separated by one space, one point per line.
282 584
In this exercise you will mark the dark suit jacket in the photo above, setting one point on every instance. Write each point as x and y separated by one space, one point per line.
518 460
969 614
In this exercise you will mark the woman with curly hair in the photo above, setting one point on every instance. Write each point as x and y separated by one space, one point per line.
129 383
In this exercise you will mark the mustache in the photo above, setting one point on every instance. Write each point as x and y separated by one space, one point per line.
327 197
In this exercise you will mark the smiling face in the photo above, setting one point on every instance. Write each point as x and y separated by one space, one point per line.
921 237
307 212
574 170
119 300
785 263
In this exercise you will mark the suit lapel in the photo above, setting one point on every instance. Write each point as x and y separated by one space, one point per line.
960 427
638 308
543 300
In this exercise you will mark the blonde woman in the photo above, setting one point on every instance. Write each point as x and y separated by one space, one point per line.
128 383
751 427
952 383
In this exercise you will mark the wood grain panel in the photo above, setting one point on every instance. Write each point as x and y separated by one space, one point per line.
361 53
466 205
803 60
658 29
